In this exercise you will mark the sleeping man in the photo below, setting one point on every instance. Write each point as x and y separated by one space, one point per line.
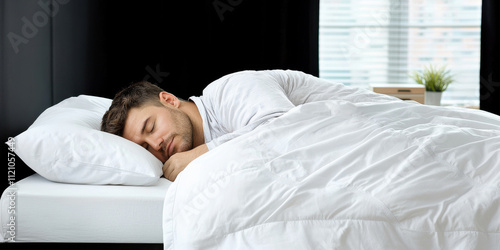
177 131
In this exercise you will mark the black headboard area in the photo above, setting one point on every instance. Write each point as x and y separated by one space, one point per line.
55 49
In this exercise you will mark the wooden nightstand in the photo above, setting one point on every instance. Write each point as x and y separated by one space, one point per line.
408 91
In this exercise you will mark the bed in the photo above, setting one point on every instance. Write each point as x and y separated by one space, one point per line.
60 212
359 171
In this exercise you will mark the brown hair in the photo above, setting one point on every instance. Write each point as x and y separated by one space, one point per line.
134 96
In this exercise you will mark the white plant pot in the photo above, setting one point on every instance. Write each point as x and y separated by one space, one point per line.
433 98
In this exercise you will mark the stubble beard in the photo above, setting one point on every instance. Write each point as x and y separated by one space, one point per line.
185 131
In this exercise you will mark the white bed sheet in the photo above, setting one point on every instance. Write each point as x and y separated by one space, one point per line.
56 212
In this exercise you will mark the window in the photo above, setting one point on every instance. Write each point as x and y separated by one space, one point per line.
382 41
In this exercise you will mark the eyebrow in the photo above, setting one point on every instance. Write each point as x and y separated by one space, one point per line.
144 125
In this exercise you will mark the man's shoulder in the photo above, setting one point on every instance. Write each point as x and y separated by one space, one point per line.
242 79
243 74
252 72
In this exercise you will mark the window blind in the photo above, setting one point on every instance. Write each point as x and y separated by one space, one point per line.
383 41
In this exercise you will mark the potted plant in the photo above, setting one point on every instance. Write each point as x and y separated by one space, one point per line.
436 81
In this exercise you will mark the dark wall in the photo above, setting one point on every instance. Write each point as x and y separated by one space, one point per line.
490 57
191 43
50 52
26 72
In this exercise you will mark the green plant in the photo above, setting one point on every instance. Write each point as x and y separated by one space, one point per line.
433 78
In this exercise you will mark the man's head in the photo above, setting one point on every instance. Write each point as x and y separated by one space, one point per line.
147 115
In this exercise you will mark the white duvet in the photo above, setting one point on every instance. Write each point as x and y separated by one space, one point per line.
344 175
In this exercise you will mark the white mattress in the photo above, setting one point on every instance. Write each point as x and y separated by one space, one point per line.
46 211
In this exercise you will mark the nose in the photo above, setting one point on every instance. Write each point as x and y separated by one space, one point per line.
154 142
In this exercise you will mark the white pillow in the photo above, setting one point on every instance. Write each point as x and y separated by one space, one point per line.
65 144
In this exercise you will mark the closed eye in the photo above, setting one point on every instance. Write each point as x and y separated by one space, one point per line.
146 145
153 127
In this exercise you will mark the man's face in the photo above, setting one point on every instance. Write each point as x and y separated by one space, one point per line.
163 131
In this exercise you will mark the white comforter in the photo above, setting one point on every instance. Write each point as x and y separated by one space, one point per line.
345 175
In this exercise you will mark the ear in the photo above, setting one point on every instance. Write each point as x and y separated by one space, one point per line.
169 99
